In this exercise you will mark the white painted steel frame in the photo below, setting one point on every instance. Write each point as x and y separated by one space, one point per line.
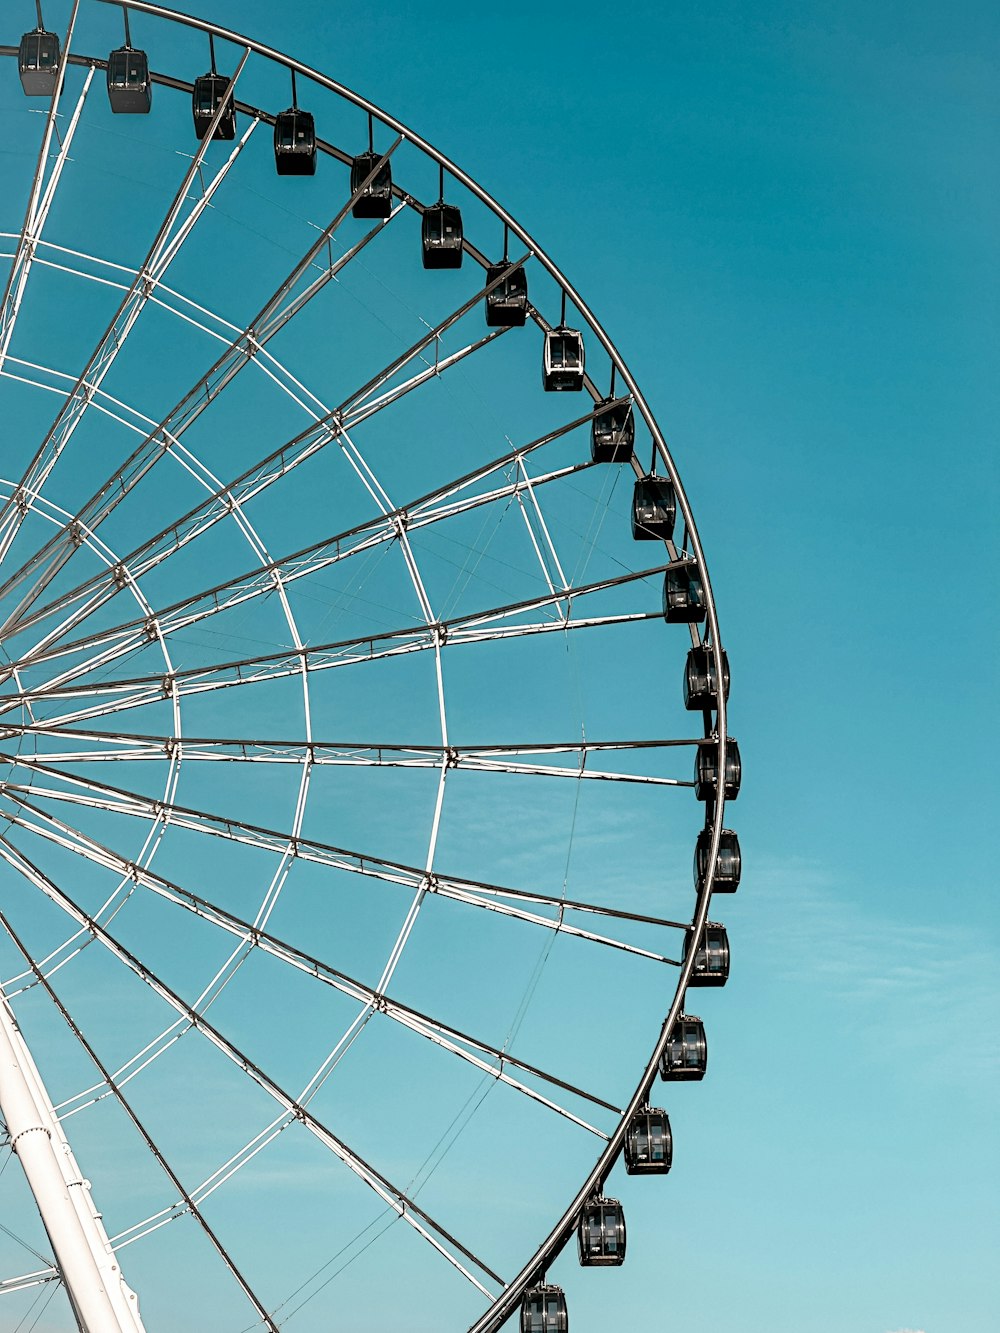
100 1297
164 249
395 528
38 210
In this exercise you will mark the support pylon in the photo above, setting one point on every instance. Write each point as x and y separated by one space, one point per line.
102 1301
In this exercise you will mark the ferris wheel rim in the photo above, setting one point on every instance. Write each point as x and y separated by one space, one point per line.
275 56
562 1230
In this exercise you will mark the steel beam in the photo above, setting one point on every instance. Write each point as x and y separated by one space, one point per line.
101 1300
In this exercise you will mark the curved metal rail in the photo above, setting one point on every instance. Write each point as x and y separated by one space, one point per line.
717 733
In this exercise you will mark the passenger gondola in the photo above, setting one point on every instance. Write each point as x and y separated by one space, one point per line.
295 143
685 1057
701 688
130 90
211 91
612 432
507 303
600 1234
711 958
649 1145
654 509
727 864
442 236
683 595
38 61
374 200
706 771
543 1310
563 360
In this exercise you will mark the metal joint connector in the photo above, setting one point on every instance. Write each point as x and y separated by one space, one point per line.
32 1129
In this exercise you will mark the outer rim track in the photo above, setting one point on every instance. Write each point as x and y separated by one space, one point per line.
716 730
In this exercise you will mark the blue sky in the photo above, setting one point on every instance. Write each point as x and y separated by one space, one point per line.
786 219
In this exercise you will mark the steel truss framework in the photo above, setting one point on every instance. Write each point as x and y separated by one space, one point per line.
114 628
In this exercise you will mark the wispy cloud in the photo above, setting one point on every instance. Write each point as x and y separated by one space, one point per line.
930 986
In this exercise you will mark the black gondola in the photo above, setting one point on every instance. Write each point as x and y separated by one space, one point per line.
442 236
654 509
612 432
711 958
600 1234
706 771
649 1144
685 1057
727 864
683 595
211 91
295 143
562 361
701 688
130 90
38 62
507 303
543 1310
375 199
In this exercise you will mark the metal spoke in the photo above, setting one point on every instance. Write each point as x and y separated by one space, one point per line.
441 1034
11 1284
406 1208
39 204
331 425
476 627
478 893
143 691
286 301
198 317
258 583
169 240
122 747
76 665
189 1203
541 541
425 511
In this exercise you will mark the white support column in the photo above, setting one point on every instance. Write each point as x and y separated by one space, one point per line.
101 1300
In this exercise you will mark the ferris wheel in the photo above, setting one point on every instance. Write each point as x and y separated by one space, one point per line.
362 701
